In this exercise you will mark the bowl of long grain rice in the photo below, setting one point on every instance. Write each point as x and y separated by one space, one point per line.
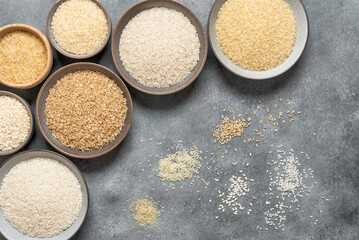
16 123
25 56
159 46
78 29
43 195
258 39
84 110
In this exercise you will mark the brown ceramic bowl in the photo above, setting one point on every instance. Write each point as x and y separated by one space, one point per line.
8 231
23 27
67 54
41 118
132 12
31 130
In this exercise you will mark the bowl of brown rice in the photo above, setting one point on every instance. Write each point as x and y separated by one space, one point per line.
258 39
159 47
16 123
44 190
78 29
84 110
25 56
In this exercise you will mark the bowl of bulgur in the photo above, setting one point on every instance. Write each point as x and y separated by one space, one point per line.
84 110
78 29
25 56
16 123
159 47
258 39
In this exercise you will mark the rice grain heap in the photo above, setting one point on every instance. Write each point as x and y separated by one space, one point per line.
14 123
23 57
159 47
40 197
229 129
85 110
256 35
180 165
79 26
145 212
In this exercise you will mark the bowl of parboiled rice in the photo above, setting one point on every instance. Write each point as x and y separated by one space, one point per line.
78 29
258 39
84 110
159 47
43 195
16 123
25 56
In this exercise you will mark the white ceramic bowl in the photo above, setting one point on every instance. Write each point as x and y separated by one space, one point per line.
302 38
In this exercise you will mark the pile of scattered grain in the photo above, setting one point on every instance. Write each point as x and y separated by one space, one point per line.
23 57
229 129
256 35
14 123
159 47
85 110
180 165
79 26
145 212
40 197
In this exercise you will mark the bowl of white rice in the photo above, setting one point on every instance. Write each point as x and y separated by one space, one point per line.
42 195
159 47
16 123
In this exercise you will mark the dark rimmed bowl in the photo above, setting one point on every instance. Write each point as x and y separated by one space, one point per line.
27 28
132 12
62 51
31 130
302 37
41 118
8 231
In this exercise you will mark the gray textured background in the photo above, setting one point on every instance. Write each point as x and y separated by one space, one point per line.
323 85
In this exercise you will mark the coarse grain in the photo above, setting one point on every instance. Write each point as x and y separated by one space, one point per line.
256 35
23 57
40 197
180 165
79 26
159 47
229 129
85 110
145 212
14 123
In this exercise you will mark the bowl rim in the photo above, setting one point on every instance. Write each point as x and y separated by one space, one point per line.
70 55
28 28
31 129
71 163
130 81
126 128
212 43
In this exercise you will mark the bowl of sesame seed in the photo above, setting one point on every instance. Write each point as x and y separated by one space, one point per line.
258 39
84 110
16 123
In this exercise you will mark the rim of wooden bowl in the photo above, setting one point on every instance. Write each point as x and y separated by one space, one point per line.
24 27
62 51
41 100
154 90
31 130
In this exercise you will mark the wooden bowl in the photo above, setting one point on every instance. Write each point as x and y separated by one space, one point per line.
41 118
132 12
302 38
23 27
8 231
31 130
67 54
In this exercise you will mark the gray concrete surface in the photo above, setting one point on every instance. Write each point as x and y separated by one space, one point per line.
324 85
